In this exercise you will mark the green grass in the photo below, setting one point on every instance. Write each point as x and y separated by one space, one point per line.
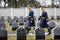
57 20
11 38
14 38
30 37
8 27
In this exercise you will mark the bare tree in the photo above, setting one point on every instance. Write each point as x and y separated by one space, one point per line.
52 3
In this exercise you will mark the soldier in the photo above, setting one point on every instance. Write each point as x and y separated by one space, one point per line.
31 20
44 20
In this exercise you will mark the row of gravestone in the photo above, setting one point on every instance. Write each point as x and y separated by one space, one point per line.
15 21
20 20
24 19
39 34
15 24
38 37
21 33
58 17
52 18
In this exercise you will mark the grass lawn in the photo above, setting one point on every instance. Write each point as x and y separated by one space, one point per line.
57 20
11 38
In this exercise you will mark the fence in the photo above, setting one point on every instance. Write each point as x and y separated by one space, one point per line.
24 12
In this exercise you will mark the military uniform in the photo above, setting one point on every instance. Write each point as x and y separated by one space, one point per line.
43 22
31 19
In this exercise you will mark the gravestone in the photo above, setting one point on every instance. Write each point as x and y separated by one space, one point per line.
39 34
52 17
16 18
58 17
51 24
14 26
56 33
3 34
21 21
3 25
21 34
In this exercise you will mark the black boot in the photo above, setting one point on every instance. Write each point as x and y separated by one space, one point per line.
28 30
49 31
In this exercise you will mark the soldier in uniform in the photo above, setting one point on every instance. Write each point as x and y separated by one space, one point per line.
31 19
44 20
